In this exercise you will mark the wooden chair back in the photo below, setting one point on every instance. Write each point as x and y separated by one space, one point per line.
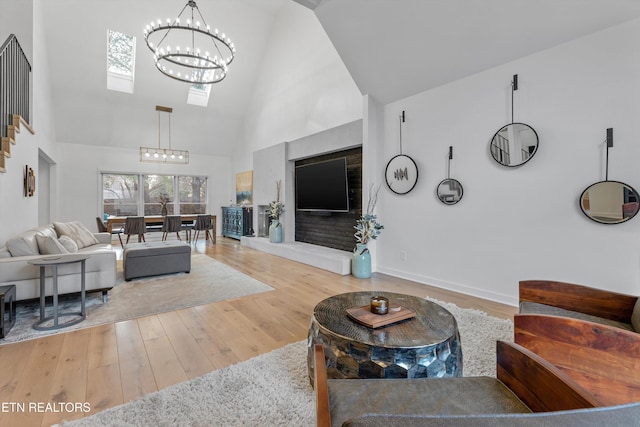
539 384
603 359
580 298
323 418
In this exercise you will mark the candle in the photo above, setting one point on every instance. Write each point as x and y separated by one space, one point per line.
379 305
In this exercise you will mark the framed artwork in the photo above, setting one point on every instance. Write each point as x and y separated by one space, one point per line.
244 188
401 174
29 182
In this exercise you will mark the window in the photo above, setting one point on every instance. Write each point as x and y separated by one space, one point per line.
121 54
199 95
193 194
121 197
120 194
158 195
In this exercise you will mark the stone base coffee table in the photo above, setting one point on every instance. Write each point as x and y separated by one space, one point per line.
427 345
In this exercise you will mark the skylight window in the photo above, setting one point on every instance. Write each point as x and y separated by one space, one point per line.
121 58
199 93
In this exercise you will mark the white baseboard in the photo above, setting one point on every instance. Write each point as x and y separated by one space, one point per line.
456 287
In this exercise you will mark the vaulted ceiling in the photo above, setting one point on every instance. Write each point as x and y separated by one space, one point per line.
87 113
392 48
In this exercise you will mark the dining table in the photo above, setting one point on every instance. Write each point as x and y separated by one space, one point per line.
158 220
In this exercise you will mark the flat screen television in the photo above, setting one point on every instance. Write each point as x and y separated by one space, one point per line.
323 186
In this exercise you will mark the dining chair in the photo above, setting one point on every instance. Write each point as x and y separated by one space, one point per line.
173 224
101 227
133 225
203 223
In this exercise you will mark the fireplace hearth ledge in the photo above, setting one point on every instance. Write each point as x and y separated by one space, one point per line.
333 260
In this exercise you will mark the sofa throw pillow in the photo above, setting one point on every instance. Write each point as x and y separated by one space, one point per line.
23 245
49 245
77 232
635 316
69 244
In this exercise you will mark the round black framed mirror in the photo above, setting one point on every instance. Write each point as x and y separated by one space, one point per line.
449 191
610 202
401 174
514 144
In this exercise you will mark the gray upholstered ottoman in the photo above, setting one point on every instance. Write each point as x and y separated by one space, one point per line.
154 258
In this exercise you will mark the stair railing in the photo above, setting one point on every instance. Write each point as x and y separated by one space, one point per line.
14 83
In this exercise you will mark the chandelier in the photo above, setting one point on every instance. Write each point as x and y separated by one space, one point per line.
164 155
188 51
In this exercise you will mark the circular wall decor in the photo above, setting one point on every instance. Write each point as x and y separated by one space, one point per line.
401 174
449 191
610 202
514 144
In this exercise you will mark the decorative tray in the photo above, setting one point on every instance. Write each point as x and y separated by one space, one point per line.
364 315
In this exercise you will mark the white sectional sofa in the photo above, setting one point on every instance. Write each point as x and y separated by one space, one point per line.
58 238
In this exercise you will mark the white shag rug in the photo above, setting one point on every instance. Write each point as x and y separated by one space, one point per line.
273 389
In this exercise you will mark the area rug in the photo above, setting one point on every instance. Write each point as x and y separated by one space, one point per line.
273 389
208 281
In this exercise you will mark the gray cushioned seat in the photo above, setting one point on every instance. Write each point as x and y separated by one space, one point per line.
527 307
426 396
154 258
623 415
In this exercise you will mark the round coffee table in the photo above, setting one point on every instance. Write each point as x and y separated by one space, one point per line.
427 345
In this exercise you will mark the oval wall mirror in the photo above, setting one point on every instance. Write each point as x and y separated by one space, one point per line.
449 191
610 202
514 144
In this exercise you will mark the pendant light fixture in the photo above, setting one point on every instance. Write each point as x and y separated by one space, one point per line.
187 49
164 155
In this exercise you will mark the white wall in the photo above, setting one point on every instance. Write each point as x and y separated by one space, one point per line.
303 87
23 18
372 147
519 223
79 178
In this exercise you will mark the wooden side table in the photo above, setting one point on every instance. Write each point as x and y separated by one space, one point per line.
53 262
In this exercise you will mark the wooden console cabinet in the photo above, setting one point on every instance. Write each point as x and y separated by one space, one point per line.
237 221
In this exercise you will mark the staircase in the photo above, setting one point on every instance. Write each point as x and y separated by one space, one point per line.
14 95
10 139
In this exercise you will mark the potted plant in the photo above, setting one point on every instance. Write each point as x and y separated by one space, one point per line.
276 208
367 228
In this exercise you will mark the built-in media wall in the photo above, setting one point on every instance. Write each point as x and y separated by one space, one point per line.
331 228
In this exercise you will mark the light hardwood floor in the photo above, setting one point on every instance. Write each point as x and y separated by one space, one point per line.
115 363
